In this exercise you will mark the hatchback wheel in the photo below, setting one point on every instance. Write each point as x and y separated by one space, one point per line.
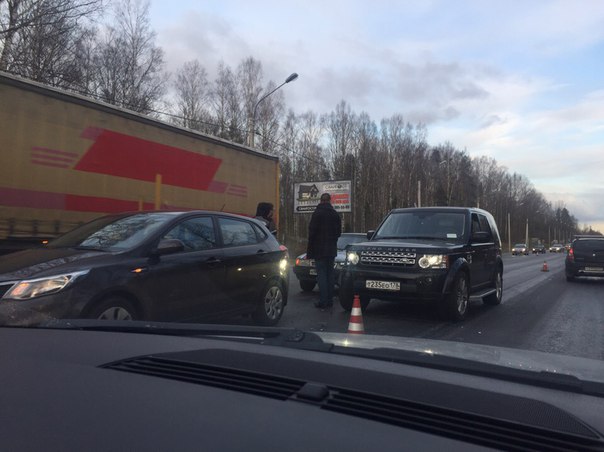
270 306
113 308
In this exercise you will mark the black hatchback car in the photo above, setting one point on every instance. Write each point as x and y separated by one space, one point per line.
585 257
168 266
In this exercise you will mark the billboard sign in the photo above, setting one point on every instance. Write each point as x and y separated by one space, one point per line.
308 194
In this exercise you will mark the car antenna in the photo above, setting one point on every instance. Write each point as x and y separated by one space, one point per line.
222 208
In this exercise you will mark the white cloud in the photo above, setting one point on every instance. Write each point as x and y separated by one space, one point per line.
483 75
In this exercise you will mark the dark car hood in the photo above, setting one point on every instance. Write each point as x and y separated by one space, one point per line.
533 361
45 262
410 244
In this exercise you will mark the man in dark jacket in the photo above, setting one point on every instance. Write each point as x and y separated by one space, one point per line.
323 231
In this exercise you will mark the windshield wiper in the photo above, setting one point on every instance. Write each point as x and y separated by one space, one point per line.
283 337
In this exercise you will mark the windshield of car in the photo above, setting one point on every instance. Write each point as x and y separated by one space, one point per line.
169 160
112 234
423 225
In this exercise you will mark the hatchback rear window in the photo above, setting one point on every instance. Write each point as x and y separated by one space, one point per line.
586 245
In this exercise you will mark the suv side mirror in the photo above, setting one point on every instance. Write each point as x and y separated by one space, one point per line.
169 246
480 237
370 234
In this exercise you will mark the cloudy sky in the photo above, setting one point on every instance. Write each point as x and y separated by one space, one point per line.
520 81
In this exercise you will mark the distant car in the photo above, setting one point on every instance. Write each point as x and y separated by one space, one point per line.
585 257
520 248
171 266
539 249
556 248
305 269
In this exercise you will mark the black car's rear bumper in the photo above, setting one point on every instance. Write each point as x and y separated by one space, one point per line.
303 273
584 269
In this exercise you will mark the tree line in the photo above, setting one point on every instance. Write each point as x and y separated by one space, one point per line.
66 44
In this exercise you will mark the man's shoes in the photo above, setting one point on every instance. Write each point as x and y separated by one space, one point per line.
324 307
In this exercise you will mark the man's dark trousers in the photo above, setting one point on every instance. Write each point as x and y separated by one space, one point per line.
325 279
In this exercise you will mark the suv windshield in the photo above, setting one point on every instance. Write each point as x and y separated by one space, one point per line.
425 225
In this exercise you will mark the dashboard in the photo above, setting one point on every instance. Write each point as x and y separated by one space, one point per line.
73 389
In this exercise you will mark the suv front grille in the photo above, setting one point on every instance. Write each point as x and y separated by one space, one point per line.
387 258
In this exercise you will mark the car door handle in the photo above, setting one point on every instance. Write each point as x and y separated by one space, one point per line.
213 260
260 252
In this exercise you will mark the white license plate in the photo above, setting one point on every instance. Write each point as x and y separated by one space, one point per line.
313 272
594 269
383 285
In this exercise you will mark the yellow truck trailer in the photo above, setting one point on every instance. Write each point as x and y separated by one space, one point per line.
65 159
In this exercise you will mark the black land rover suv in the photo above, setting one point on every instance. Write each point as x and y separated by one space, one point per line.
443 255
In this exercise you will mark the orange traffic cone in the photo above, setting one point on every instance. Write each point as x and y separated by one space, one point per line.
355 326
544 268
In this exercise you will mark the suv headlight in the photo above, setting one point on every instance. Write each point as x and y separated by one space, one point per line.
352 258
32 288
433 261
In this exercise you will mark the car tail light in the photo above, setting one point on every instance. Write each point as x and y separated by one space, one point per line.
297 261
571 254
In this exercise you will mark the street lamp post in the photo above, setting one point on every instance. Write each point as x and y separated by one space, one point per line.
448 179
252 129
509 234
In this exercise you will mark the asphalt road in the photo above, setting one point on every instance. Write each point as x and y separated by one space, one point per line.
540 311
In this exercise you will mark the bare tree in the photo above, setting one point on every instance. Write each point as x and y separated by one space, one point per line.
42 39
226 108
128 63
192 96
249 78
268 119
340 123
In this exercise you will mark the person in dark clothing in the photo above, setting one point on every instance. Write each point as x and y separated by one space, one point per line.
323 231
264 213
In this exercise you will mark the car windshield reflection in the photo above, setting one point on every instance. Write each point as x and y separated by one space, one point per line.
112 233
